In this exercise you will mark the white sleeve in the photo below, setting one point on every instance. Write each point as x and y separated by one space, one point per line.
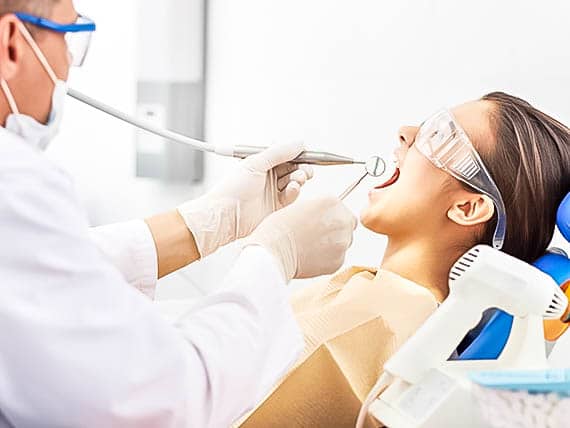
246 336
82 348
130 247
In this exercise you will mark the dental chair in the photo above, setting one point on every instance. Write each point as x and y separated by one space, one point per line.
491 340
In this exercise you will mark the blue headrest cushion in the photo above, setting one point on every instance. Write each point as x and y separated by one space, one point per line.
494 335
563 217
555 265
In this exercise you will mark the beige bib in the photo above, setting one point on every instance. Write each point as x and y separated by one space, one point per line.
352 323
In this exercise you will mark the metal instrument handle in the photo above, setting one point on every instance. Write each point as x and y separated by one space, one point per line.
353 186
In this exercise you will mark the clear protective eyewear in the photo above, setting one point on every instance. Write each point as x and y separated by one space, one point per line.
442 140
77 35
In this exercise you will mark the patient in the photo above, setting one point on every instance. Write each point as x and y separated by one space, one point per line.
354 321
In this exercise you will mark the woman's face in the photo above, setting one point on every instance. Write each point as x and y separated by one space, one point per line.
418 202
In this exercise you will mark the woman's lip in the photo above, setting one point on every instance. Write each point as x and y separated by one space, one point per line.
391 181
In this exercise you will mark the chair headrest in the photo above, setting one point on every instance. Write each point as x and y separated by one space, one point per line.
563 217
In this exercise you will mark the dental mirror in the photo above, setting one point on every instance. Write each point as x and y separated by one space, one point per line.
375 167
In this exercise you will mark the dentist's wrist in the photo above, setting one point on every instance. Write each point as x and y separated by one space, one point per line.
212 222
279 242
175 245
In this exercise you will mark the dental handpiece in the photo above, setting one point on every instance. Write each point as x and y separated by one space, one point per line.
307 157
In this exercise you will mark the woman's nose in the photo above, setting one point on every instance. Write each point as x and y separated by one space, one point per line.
407 135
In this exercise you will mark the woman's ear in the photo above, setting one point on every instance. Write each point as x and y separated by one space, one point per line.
472 210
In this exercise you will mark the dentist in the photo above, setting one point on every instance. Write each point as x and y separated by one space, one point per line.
81 344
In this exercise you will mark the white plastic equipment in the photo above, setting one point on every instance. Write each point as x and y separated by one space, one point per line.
430 391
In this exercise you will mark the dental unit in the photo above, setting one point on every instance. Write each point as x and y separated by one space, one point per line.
421 387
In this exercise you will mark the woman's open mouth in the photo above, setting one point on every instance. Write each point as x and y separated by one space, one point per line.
391 181
377 191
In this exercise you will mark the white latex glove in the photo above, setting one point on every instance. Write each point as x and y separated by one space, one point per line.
309 238
260 185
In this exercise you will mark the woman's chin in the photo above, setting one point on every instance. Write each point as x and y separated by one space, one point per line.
371 220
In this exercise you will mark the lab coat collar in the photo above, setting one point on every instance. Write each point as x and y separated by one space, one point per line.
6 134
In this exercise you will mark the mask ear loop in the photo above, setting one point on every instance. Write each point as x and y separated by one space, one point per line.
43 61
9 96
39 54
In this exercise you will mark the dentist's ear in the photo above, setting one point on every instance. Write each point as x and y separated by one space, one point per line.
11 46
473 210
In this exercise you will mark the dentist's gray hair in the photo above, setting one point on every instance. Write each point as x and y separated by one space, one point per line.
36 7
41 8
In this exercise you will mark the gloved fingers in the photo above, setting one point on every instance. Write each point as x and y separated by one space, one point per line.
354 219
299 176
354 225
289 194
285 169
309 171
273 156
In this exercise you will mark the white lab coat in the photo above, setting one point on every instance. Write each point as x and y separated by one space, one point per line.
79 346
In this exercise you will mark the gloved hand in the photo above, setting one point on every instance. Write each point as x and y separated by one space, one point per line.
261 184
309 238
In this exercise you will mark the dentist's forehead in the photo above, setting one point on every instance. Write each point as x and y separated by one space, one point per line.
64 12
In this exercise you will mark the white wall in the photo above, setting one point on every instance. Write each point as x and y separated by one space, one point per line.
170 43
344 75
95 150
100 151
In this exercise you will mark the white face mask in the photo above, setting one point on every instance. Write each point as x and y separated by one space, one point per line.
37 134
34 132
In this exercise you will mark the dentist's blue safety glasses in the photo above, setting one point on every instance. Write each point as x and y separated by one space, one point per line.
77 35
442 140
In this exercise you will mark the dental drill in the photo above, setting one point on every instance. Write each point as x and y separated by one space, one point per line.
483 278
238 151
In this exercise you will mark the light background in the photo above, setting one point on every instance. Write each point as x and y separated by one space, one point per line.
340 75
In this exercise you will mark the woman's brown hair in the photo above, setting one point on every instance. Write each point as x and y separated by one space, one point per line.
531 167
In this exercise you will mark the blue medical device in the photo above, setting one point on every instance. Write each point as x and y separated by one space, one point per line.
493 337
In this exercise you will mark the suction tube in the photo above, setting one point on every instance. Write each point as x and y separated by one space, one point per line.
307 157
165 133
382 383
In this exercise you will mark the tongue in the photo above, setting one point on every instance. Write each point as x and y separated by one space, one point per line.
391 181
